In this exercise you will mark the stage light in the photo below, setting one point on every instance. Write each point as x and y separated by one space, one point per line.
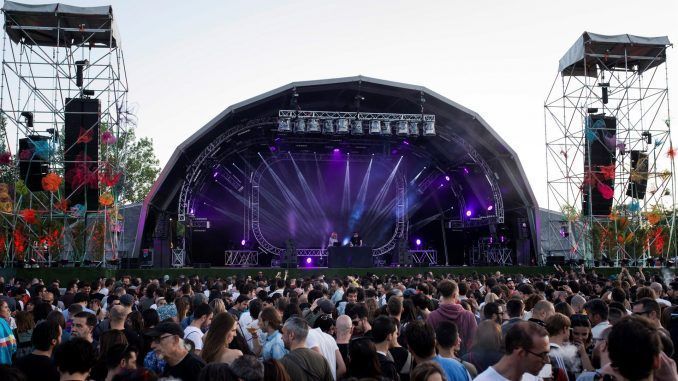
429 129
300 126
243 242
489 208
418 242
328 126
313 126
284 125
342 126
357 127
447 178
466 171
308 260
402 128
215 174
272 148
386 128
375 127
413 129
469 213
336 150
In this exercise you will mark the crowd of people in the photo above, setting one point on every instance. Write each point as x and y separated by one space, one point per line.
564 326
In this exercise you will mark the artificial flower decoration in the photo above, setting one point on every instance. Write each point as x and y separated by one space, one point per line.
61 205
671 153
5 158
19 241
85 136
43 149
51 182
665 174
78 210
25 154
605 191
634 206
106 199
653 218
108 177
29 216
607 171
21 187
108 138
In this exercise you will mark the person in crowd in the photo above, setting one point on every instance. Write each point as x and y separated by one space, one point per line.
448 344
240 306
271 325
38 364
597 310
344 331
581 331
74 359
218 338
302 364
202 318
494 311
168 343
558 328
23 333
450 310
363 359
275 371
248 368
421 342
324 343
169 309
515 308
428 371
83 327
118 318
384 332
541 311
487 347
527 351
249 321
217 371
120 358
7 340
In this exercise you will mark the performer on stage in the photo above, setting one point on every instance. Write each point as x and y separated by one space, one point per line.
356 240
334 241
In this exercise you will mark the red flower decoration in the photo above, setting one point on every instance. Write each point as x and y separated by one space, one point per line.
51 182
605 191
671 153
29 216
61 205
19 242
5 158
85 136
25 154
607 171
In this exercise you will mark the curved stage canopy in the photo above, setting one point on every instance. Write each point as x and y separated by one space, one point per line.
402 165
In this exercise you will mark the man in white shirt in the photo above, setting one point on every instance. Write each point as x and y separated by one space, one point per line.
324 344
597 311
659 291
202 318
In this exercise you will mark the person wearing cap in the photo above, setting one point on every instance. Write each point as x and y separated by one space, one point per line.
169 345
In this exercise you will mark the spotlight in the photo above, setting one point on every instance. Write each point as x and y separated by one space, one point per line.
29 118
328 126
490 207
357 127
375 127
336 150
402 128
243 242
469 213
342 126
284 125
272 148
215 174
314 126
300 126
418 242
414 129
386 128
564 231
429 129
447 178
308 260
79 66
466 171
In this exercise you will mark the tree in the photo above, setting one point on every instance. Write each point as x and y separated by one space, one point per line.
140 168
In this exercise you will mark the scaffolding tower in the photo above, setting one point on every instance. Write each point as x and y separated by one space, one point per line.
609 155
53 56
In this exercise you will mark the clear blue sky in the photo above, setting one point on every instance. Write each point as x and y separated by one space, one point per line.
187 61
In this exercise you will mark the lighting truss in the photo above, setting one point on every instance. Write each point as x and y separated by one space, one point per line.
353 122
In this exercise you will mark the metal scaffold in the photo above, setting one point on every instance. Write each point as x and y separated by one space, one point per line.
63 135
609 154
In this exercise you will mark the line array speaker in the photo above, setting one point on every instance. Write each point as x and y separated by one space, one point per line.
81 151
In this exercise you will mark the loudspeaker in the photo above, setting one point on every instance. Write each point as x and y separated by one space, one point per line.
289 260
638 180
404 255
523 228
555 260
81 151
33 160
599 150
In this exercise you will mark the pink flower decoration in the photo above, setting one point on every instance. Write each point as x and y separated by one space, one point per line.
5 158
25 154
605 191
108 138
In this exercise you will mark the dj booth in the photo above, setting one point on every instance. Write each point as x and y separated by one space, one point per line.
346 256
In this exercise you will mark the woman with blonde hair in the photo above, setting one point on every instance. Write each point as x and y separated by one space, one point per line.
216 340
218 306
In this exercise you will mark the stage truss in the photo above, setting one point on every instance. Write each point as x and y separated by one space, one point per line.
636 228
39 72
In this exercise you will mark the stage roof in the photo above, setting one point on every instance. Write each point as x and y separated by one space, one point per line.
338 95
60 24
614 52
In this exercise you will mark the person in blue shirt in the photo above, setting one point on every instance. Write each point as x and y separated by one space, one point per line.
273 346
421 341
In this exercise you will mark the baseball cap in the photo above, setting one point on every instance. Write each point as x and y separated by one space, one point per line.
326 306
127 300
165 327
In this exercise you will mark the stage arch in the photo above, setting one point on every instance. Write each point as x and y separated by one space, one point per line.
412 170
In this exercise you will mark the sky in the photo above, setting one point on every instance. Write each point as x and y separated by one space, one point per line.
188 61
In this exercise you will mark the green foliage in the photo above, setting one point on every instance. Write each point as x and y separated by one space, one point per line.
141 169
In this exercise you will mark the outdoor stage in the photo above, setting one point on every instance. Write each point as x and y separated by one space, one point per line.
423 180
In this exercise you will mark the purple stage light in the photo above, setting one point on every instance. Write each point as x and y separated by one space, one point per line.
243 242
489 208
466 170
447 178
215 174
308 260
394 152
336 150
418 242
405 142
469 213
272 148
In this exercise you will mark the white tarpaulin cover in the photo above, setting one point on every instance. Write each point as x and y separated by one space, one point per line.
613 52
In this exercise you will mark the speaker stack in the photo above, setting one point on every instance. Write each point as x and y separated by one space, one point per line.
598 152
81 152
